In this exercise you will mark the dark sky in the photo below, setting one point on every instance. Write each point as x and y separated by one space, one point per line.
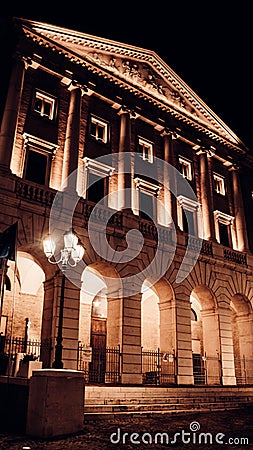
209 46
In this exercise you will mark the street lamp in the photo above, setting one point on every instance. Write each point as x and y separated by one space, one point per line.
70 255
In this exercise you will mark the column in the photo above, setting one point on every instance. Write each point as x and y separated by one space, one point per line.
124 163
71 147
226 345
184 338
206 197
131 339
11 112
70 329
240 223
170 200
48 321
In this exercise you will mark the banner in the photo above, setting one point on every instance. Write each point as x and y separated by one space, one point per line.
8 243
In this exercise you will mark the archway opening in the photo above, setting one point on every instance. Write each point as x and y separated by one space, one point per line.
205 337
242 332
100 324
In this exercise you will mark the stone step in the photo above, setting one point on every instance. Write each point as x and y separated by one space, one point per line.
90 416
167 401
165 406
122 400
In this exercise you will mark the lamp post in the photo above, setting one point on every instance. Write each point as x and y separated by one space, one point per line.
70 255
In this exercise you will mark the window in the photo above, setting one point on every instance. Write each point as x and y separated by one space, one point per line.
146 150
44 105
146 203
224 234
219 184
38 157
146 207
96 181
188 215
223 226
194 316
97 188
185 167
99 129
36 166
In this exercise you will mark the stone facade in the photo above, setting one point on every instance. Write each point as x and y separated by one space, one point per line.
109 139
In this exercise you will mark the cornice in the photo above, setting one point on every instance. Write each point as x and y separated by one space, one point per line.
56 39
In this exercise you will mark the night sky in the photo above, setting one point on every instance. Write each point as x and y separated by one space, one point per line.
208 47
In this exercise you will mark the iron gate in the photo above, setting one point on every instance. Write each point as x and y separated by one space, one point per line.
206 369
244 370
101 366
158 367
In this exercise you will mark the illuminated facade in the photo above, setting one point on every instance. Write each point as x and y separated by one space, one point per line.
74 98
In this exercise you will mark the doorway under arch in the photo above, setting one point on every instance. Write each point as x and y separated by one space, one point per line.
100 324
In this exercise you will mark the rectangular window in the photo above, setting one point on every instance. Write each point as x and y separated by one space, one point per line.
219 184
188 221
36 167
224 234
185 167
146 204
38 157
99 129
44 105
223 228
188 216
98 188
146 208
95 181
146 150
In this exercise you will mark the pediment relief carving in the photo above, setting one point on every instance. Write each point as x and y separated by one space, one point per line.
142 75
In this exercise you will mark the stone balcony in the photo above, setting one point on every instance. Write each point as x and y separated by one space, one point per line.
123 221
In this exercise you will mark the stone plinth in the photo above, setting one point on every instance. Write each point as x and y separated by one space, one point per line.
56 403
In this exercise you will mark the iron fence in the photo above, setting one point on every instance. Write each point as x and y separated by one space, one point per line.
10 346
158 367
206 369
100 365
244 370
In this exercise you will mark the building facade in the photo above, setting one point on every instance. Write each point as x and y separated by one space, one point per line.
106 138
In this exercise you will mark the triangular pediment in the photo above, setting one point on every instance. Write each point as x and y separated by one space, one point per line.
139 69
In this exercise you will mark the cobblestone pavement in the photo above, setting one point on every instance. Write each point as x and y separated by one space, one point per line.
221 429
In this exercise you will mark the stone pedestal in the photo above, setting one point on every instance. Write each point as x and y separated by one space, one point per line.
56 403
26 368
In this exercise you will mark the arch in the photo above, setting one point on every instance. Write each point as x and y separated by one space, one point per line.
158 315
242 332
25 299
205 335
101 284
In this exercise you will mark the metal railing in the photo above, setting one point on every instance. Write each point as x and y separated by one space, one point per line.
11 346
244 370
158 367
206 369
100 365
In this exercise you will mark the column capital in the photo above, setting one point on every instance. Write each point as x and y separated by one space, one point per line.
234 168
170 133
125 110
209 151
84 89
29 61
